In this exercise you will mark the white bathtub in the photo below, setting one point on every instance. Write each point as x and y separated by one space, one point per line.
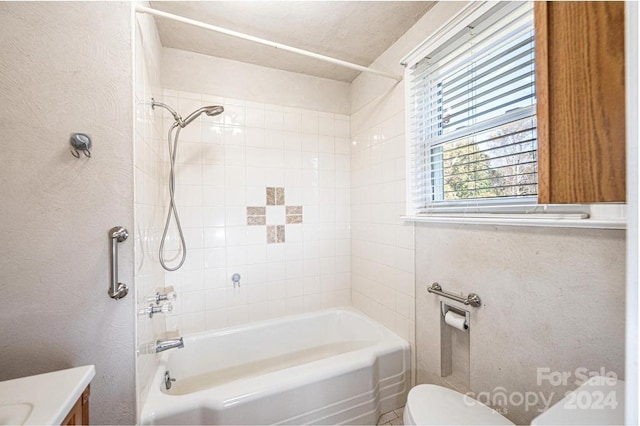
329 367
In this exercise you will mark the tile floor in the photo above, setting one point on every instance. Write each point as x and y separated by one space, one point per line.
391 418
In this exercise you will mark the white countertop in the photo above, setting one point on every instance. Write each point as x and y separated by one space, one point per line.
44 398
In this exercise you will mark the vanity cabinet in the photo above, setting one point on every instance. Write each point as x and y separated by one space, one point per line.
79 414
580 101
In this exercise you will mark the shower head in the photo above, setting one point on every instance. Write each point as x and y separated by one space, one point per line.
214 110
211 111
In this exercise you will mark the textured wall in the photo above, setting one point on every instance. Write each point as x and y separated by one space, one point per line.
66 67
552 298
198 73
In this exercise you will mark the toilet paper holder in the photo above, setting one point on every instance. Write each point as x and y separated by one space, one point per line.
446 308
472 299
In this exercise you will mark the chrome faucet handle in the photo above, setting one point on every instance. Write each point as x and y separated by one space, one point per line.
152 310
168 380
167 294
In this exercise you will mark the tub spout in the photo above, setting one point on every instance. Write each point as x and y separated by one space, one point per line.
165 344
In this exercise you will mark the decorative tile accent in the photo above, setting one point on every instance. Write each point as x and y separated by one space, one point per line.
256 211
294 214
295 218
275 234
256 216
256 220
275 215
271 234
279 196
271 196
275 196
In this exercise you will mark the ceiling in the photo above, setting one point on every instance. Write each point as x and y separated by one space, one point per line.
354 31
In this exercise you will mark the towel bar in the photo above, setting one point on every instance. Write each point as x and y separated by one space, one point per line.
117 235
472 299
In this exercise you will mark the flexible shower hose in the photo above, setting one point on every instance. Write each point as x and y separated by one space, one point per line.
173 211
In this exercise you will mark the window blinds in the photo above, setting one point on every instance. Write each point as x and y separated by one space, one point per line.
472 114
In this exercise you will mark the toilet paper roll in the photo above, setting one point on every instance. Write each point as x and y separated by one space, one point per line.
456 320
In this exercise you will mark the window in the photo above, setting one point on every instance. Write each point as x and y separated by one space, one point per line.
471 114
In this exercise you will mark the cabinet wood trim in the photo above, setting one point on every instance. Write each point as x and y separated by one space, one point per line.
85 405
79 414
542 100
581 101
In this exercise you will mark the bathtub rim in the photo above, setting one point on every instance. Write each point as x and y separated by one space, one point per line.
279 320
360 358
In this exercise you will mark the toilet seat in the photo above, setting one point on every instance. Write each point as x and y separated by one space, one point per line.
436 405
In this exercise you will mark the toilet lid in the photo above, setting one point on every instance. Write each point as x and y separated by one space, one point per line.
436 405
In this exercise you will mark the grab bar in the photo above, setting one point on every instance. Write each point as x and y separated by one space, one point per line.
472 299
117 235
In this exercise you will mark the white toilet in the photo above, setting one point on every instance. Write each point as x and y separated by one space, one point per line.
436 405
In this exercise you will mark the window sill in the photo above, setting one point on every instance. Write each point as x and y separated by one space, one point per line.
523 219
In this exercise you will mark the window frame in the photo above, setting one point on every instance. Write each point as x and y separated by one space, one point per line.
451 28
525 211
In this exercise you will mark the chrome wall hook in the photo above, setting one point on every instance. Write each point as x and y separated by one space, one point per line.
80 142
236 280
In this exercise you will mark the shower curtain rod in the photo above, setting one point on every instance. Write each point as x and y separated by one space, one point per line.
144 9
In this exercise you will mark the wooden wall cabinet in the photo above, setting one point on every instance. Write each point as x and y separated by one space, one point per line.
581 101
79 414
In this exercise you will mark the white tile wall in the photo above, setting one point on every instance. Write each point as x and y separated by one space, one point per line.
382 252
383 247
225 164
